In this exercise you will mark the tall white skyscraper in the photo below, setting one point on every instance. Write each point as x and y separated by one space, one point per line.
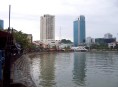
47 27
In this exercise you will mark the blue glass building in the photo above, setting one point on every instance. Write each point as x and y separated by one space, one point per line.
75 33
79 31
1 24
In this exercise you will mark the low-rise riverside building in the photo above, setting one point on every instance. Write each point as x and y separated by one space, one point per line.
48 43
104 40
62 45
112 45
51 42
90 41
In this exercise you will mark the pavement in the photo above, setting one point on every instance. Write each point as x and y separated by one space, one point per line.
21 71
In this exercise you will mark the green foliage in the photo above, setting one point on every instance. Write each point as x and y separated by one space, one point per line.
54 47
21 39
66 41
99 46
67 48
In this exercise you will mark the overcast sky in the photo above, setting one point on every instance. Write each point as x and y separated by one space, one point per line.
101 16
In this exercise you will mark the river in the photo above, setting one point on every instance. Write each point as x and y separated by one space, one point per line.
77 69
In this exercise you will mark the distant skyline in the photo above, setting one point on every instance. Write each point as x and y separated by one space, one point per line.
101 16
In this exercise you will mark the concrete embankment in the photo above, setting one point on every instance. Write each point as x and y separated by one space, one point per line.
21 71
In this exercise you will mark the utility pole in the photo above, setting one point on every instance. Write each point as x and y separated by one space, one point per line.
7 64
9 17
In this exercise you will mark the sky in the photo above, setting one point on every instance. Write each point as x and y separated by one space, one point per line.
101 16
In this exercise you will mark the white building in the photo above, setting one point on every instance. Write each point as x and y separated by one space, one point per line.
108 36
29 37
62 46
51 43
90 40
112 45
47 27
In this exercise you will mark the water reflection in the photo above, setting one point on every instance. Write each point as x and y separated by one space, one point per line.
47 70
101 61
101 69
76 69
79 69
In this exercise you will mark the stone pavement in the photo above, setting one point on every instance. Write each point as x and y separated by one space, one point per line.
21 71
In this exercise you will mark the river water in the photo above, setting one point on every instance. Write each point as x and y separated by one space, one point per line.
77 69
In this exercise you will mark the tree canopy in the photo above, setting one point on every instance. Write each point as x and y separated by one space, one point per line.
21 39
66 41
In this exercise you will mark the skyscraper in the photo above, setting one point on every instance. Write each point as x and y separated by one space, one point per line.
1 24
79 31
47 27
108 36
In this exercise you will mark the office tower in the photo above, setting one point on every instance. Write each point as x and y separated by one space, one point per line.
1 24
47 27
117 37
79 31
108 35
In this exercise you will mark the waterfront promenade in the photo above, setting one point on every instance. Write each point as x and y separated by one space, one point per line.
21 72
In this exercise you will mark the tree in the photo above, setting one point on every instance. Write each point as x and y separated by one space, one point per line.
54 47
66 41
21 39
99 46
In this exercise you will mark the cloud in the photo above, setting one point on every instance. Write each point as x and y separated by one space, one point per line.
101 15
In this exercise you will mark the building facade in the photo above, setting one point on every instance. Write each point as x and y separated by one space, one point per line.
47 27
108 36
104 40
29 37
1 24
79 31
90 40
50 43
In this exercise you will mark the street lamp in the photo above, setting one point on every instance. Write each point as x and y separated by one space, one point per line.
8 56
9 17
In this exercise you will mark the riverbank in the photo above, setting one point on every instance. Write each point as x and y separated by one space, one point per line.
14 84
20 72
46 52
